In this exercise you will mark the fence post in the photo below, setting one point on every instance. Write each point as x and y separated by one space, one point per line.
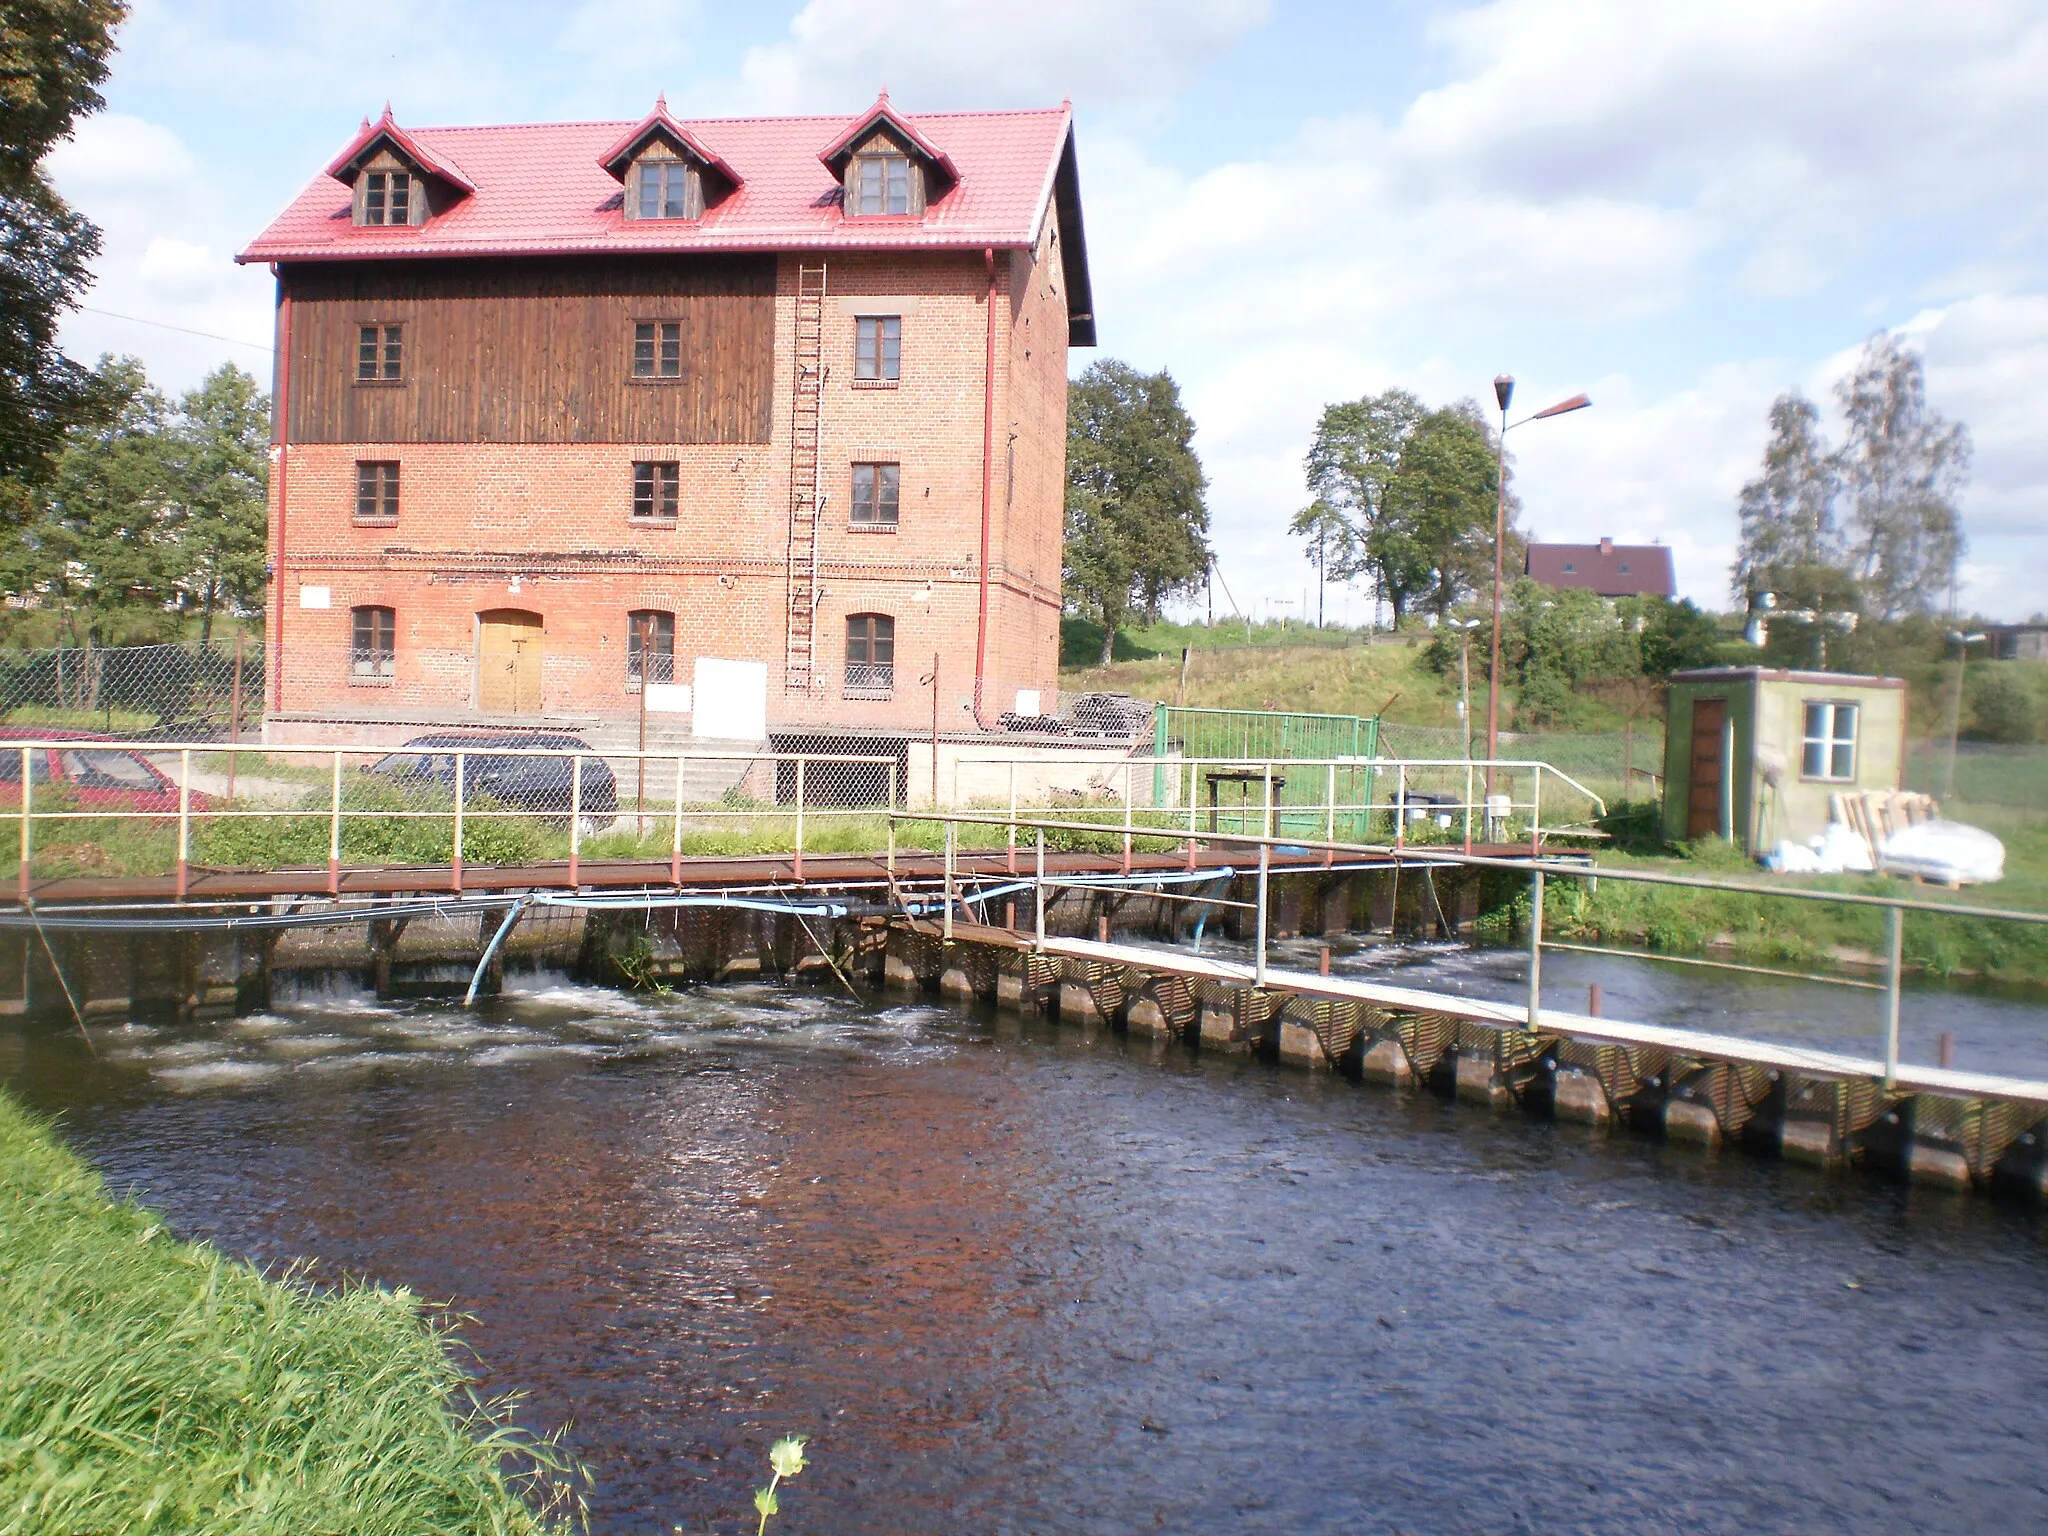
334 834
1536 816
575 819
1535 949
461 794
1129 797
1194 772
1468 801
951 832
1038 900
184 821
1265 873
891 865
1012 834
1330 821
1895 947
28 780
675 853
799 861
235 710
1400 804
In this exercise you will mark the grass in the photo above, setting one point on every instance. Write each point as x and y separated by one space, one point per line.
149 1385
1758 930
117 722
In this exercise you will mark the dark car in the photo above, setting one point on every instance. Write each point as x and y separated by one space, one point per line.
535 783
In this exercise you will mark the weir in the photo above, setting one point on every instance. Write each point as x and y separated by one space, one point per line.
1108 934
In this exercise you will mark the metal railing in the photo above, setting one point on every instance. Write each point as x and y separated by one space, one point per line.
1262 846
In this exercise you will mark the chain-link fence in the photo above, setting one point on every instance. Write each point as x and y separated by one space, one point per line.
1615 765
186 691
1989 784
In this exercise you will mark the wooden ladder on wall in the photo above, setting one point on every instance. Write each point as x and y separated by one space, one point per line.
800 672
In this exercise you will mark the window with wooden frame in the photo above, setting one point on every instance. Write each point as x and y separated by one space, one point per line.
380 354
882 183
1827 749
373 655
877 349
658 349
376 490
650 648
666 189
656 484
387 198
870 656
875 493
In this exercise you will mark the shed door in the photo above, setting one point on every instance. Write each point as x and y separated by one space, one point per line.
1703 798
508 653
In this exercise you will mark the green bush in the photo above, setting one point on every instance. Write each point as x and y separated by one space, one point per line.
2001 707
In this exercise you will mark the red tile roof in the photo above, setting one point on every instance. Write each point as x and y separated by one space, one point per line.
540 190
1608 568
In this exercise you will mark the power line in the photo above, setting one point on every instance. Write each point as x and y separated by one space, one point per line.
161 325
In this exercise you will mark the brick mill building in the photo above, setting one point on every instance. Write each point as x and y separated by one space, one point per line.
782 399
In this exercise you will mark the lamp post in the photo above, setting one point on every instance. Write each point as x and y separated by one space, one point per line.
1962 643
1464 627
1504 391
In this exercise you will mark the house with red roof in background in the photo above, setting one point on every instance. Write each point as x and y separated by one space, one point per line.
738 422
1608 568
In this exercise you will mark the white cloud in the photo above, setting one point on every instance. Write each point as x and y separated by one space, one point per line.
961 53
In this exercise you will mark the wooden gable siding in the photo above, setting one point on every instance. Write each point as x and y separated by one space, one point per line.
535 351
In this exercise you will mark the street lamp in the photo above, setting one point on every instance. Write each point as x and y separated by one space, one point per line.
1962 643
1504 391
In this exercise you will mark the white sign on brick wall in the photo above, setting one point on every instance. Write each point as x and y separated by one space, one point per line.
732 700
668 698
316 597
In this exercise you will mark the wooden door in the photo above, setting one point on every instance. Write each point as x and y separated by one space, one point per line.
1703 798
508 655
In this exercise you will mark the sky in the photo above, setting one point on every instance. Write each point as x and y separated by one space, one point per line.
1683 210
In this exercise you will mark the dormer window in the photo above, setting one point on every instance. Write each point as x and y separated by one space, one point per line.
880 184
667 189
387 197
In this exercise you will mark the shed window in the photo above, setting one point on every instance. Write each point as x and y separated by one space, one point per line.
655 486
870 656
878 348
380 352
658 349
656 632
373 654
881 184
1828 750
875 489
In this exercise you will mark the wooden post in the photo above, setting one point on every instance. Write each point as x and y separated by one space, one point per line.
235 710
646 675
1593 1000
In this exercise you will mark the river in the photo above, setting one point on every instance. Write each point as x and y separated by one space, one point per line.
1011 1279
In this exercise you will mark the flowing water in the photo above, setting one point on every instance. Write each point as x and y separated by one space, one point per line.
1013 1279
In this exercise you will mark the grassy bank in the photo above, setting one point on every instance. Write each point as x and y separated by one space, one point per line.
1759 930
150 1385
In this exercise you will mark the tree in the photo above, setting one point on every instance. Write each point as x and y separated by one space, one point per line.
1902 468
1790 544
1872 526
1415 490
1137 524
100 552
222 447
1331 547
1352 459
53 56
1444 499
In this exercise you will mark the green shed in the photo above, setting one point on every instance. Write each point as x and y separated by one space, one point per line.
1753 754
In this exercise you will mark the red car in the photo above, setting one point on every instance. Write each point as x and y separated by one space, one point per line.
110 777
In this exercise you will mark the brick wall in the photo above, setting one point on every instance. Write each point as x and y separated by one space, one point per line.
546 528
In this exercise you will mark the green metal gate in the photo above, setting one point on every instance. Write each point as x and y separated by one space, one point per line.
1303 800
